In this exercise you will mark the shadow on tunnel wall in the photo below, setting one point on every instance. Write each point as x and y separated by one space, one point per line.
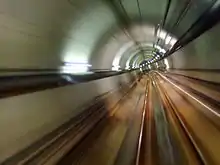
124 87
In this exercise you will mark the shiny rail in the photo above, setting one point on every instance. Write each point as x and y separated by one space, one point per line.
159 121
199 121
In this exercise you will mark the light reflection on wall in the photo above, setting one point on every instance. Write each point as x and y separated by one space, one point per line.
166 63
75 57
160 49
118 56
171 40
74 68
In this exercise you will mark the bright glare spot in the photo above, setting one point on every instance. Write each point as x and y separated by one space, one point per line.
166 63
75 68
163 51
135 66
120 53
168 40
149 66
75 58
160 49
173 41
127 67
116 68
161 34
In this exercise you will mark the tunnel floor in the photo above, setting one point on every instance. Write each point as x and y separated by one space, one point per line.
179 126
164 119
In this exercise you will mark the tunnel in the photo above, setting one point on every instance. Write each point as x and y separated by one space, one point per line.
109 82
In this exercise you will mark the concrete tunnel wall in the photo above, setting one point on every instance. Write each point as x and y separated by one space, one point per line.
39 34
199 58
202 53
43 34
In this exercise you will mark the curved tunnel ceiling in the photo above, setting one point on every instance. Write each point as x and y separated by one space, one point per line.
87 34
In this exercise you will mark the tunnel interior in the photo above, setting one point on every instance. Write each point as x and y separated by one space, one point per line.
58 57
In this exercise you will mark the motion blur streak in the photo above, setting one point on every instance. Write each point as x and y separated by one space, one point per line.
206 106
109 82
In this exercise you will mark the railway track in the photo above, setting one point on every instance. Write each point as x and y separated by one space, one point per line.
115 139
198 121
159 122
52 148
